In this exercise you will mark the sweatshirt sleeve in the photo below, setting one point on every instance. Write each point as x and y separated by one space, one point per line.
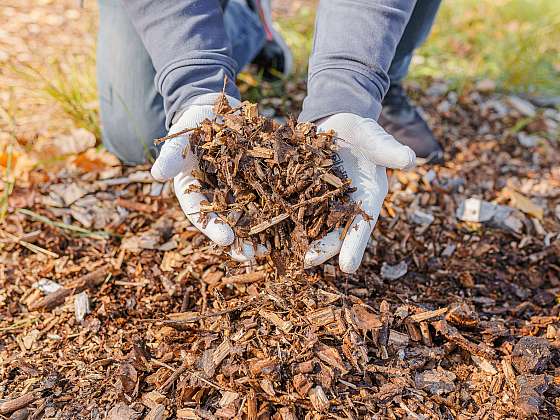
189 48
354 43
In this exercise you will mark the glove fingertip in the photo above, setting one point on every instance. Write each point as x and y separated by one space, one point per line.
349 265
223 237
157 173
410 160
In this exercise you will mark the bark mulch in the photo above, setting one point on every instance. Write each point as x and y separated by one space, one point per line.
113 306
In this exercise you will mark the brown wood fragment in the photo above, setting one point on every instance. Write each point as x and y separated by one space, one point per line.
319 399
268 223
247 278
261 152
301 384
452 334
87 281
18 403
428 315
322 317
425 332
284 326
251 405
332 179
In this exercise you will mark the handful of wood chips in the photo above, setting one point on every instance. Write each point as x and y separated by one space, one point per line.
276 185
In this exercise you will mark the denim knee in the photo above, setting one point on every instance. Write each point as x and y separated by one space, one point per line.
131 109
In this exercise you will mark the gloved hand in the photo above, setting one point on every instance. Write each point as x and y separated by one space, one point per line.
365 150
171 164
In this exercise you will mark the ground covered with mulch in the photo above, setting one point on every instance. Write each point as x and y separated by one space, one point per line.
113 306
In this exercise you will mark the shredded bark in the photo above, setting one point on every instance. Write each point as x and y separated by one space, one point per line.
276 185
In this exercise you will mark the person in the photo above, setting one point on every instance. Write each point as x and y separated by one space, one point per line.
161 65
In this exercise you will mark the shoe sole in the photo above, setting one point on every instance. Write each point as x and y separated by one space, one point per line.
265 12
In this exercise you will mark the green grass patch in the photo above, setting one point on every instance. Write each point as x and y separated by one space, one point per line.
513 42
72 85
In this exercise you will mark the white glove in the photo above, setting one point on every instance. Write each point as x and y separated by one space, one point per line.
365 150
171 164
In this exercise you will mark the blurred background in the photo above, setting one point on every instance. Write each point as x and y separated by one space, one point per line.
47 66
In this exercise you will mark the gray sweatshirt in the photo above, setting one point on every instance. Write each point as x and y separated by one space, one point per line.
354 43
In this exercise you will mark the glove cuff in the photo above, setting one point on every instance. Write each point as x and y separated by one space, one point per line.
344 124
202 101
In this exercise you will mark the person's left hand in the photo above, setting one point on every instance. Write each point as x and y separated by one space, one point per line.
365 150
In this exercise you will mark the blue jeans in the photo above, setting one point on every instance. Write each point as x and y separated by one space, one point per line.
132 111
415 33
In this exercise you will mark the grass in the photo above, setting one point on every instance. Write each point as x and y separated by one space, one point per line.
70 84
513 42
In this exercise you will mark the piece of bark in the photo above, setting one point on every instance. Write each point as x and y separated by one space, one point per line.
319 399
452 334
531 354
247 278
18 403
273 318
428 315
156 413
87 281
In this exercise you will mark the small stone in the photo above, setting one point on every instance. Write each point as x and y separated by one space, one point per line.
436 381
527 140
394 272
525 108
421 218
507 218
499 107
47 286
437 89
531 354
81 306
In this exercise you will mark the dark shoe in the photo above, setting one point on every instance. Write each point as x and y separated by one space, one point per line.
402 120
275 59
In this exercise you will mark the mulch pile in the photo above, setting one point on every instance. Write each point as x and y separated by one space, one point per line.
113 306
276 185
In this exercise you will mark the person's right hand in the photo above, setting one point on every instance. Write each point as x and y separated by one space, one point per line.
172 162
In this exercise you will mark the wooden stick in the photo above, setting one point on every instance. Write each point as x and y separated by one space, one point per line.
424 316
18 403
172 136
265 225
174 376
247 278
32 247
85 282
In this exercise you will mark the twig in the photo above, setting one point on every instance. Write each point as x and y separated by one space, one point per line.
174 135
174 376
32 247
268 223
85 282
424 316
247 278
18 403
